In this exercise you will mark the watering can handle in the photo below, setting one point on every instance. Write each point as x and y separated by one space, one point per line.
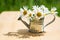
50 21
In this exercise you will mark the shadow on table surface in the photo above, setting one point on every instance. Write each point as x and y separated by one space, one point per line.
23 33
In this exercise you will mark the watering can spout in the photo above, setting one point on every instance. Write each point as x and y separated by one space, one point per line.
27 25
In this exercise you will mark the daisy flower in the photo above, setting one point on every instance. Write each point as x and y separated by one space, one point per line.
44 9
37 12
53 11
30 14
23 11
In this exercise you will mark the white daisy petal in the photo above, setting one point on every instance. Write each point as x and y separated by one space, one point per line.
46 11
53 9
25 7
56 12
42 6
21 9
35 7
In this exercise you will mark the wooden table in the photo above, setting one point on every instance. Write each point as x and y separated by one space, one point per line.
12 29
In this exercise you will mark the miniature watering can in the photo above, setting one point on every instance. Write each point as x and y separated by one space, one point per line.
37 26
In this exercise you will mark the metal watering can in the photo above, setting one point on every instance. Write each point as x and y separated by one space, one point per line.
37 26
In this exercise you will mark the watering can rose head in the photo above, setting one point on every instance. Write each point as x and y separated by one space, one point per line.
36 12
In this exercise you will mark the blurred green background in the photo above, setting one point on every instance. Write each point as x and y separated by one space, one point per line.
15 5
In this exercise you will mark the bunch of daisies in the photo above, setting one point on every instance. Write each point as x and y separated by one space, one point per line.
36 12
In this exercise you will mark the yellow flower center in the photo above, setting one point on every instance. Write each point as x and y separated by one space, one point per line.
25 12
30 15
39 14
52 11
